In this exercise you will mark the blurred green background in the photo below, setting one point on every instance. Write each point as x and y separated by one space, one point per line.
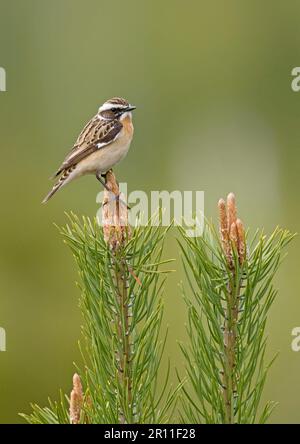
216 112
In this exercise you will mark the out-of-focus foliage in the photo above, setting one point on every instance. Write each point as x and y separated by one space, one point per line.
215 112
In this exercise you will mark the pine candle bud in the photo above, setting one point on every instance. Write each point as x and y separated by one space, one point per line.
232 230
223 219
114 214
224 229
241 241
76 400
234 235
231 209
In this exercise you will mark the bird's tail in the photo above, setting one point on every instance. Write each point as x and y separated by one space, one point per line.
63 180
55 188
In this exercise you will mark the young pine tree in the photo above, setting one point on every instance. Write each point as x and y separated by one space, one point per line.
121 304
230 277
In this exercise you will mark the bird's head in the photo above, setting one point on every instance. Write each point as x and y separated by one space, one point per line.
115 108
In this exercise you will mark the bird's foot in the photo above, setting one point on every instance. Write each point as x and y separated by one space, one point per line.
117 198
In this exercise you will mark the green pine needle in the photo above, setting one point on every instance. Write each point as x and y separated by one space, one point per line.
209 279
117 388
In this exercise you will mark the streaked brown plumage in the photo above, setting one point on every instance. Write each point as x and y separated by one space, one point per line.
102 143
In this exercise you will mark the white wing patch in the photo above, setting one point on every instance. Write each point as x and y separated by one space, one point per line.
102 144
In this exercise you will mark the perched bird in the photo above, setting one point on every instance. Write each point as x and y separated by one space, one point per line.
103 142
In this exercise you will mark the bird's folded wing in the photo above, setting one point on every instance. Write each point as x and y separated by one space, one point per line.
96 135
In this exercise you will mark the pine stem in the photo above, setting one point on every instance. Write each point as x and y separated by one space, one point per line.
123 333
116 233
230 340
233 241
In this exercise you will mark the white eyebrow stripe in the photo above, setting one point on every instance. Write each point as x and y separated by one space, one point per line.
107 106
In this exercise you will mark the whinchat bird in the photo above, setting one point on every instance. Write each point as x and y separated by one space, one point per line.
103 142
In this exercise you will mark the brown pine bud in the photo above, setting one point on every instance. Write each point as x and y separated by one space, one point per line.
231 209
232 231
234 234
76 400
223 219
224 230
114 214
241 241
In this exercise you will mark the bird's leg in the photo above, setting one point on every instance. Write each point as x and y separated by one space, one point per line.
100 176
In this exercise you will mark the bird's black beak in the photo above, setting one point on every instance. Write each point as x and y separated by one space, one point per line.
130 108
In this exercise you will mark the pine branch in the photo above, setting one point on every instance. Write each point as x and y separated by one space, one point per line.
121 286
233 241
117 234
232 294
